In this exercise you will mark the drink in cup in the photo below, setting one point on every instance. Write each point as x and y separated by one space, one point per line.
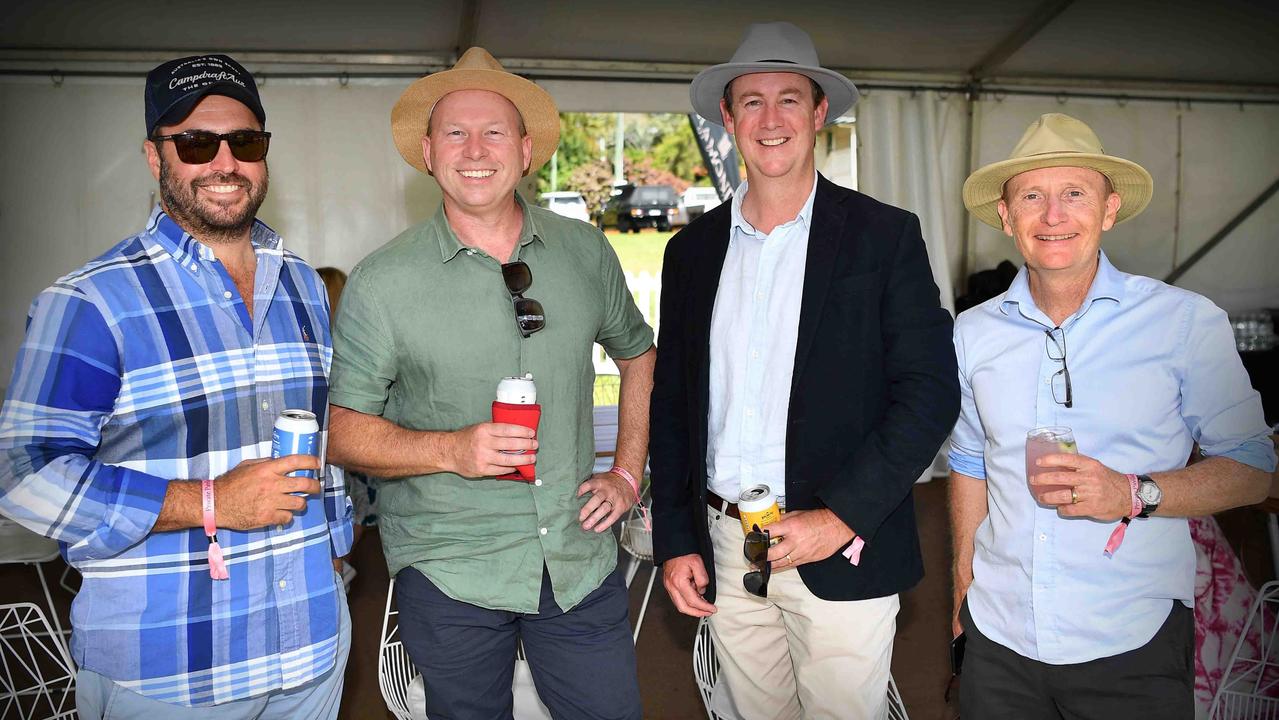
1041 441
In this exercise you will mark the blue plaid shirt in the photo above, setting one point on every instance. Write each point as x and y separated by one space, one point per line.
145 366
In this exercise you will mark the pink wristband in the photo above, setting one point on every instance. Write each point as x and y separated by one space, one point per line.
217 564
854 551
1135 508
629 478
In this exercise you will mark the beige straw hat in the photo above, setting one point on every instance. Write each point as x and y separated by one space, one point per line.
1057 140
476 70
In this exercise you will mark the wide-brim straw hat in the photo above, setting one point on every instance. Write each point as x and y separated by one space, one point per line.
1057 140
476 70
770 48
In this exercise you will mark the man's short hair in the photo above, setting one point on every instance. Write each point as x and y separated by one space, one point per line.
818 94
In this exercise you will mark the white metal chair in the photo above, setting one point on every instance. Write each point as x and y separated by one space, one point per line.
637 541
403 690
37 679
706 670
20 545
1250 686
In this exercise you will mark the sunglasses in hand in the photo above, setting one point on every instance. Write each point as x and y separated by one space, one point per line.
755 548
199 147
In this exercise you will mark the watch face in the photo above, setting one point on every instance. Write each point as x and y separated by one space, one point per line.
1150 493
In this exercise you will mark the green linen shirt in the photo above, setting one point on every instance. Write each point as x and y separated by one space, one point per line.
424 332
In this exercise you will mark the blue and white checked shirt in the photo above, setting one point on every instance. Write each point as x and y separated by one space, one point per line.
144 366
1153 370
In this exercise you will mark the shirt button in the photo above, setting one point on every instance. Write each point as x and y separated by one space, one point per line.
541 531
759 296
226 294
537 482
283 584
193 266
755 354
750 412
266 405
470 252
279 528
1042 537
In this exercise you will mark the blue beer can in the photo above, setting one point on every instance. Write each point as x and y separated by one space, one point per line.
296 433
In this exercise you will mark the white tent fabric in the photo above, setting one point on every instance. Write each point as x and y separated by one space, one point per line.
911 153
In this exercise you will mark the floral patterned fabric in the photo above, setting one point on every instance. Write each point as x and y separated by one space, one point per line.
1223 599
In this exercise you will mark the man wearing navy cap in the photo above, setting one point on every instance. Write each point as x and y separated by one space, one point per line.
137 433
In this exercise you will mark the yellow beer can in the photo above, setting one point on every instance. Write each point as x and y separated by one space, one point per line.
758 506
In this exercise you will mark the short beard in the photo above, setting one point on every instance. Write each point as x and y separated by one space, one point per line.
207 221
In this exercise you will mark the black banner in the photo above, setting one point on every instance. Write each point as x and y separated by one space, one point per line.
718 153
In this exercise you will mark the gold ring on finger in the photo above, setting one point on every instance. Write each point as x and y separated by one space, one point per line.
1074 496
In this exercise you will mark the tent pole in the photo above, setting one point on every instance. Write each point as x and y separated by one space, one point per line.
1221 234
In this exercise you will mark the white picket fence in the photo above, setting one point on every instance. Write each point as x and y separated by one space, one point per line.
646 288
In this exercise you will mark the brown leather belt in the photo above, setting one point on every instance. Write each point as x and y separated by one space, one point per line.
719 504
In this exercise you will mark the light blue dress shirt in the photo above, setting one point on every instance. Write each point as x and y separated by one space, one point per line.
1153 370
753 331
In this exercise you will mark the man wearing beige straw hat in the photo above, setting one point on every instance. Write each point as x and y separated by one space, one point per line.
804 348
1074 591
492 287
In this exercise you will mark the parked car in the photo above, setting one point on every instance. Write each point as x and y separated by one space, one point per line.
640 206
567 203
694 203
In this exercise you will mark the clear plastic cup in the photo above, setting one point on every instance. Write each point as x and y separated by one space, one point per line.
1041 441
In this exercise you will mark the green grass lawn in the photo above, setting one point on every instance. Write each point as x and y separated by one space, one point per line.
640 252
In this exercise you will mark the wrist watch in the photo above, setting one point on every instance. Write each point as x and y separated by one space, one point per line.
1149 494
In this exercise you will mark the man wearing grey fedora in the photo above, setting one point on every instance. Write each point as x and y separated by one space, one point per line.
1075 591
802 347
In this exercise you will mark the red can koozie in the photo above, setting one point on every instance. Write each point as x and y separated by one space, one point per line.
516 404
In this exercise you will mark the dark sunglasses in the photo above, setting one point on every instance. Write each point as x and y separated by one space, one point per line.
199 147
755 548
529 315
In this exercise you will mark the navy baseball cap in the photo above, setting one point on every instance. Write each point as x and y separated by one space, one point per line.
174 88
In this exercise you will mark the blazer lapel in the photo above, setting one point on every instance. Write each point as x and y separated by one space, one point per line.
824 238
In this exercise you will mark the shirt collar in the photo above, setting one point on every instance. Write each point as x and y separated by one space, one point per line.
1107 284
450 246
739 221
185 249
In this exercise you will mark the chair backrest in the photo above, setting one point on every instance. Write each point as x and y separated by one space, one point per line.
705 665
1249 688
394 668
36 680
706 670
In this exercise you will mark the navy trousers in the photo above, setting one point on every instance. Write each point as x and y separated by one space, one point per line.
583 661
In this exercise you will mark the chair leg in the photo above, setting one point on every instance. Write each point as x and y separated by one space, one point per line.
639 623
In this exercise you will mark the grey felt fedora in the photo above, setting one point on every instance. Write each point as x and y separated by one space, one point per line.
766 48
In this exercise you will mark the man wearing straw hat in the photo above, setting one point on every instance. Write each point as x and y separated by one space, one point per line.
492 287
802 347
1075 599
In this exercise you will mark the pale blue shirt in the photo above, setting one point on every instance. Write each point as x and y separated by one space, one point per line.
753 332
1153 370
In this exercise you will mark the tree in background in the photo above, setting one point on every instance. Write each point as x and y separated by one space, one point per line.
660 147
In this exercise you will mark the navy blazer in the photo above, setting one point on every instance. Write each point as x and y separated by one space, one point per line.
874 394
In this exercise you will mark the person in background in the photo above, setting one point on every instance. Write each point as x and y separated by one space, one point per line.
137 432
361 488
1074 592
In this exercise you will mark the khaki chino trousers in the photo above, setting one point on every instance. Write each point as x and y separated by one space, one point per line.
793 655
